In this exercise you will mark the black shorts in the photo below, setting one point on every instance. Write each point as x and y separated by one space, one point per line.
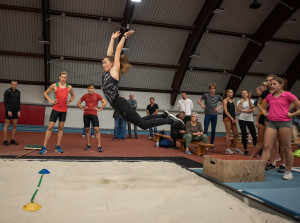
261 120
87 119
56 114
14 115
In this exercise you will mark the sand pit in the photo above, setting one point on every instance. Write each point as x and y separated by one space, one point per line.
107 192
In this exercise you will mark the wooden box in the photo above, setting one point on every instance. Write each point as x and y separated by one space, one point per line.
234 168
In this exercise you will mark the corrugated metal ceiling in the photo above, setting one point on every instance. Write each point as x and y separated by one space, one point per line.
113 8
22 3
238 17
218 51
276 58
199 81
156 45
250 83
21 68
20 31
176 12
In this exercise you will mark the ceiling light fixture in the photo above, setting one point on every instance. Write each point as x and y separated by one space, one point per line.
61 58
136 1
62 14
257 61
195 55
42 41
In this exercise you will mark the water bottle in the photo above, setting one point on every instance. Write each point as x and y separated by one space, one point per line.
157 143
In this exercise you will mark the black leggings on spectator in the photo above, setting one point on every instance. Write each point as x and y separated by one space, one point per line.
176 135
252 130
123 107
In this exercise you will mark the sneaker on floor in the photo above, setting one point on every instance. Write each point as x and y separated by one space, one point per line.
246 153
58 149
150 138
211 149
228 151
188 152
5 143
100 149
83 136
281 168
236 150
288 175
87 147
44 150
270 166
93 136
13 142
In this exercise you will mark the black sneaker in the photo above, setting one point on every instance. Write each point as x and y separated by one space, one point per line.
129 136
13 142
270 166
166 114
87 147
281 168
100 149
5 143
178 123
246 153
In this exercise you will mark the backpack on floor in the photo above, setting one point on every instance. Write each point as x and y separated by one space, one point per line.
166 143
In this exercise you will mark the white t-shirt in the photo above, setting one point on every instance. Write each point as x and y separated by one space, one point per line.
245 116
186 106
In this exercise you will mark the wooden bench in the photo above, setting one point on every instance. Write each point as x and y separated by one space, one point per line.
201 146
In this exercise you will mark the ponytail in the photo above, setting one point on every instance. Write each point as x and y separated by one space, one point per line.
124 67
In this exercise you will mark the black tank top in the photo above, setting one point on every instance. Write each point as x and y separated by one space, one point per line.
230 109
110 87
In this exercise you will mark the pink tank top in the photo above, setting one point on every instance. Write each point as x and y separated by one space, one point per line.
61 95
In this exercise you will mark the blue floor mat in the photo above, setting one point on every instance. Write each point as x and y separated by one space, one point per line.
284 194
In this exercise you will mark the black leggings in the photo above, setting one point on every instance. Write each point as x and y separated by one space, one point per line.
252 130
123 107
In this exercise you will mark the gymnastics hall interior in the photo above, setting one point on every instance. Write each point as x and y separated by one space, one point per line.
178 46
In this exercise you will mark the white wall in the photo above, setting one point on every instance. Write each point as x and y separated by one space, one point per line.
32 94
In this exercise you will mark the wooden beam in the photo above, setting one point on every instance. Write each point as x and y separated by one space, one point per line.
293 72
200 25
264 33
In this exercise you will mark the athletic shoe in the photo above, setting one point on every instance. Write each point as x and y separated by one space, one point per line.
100 149
270 166
178 123
281 168
58 149
13 142
288 175
246 153
136 137
44 150
93 136
129 136
237 151
277 158
5 143
83 136
229 151
166 113
212 149
87 147
188 152
150 138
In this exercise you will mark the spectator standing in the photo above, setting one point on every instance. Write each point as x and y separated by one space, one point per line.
211 110
12 104
185 105
152 109
133 104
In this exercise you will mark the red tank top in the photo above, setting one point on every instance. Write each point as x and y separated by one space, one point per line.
61 95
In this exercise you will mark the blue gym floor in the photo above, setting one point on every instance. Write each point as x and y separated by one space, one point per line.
284 194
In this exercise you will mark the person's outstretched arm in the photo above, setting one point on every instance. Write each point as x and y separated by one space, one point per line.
110 50
115 70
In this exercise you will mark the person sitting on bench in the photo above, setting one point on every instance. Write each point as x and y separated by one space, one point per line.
193 132
177 133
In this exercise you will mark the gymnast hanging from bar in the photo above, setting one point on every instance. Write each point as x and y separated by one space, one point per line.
117 65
